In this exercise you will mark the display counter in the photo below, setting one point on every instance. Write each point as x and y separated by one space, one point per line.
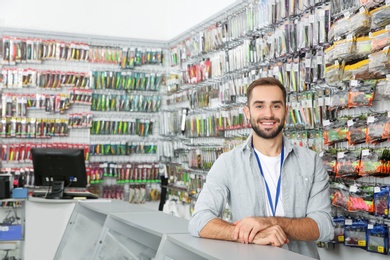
136 235
85 226
185 246
46 221
113 229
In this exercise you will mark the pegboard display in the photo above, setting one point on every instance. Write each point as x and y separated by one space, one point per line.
333 59
85 91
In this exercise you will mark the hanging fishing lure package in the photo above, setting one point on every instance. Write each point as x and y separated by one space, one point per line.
333 74
363 47
335 131
339 222
361 93
355 232
379 64
357 130
369 163
381 201
380 16
348 163
321 24
345 49
376 123
380 39
377 238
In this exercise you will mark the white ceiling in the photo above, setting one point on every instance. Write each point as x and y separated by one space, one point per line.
140 19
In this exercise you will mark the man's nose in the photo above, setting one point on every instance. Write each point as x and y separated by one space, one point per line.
268 111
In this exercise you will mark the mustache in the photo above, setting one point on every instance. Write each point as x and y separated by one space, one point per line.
268 118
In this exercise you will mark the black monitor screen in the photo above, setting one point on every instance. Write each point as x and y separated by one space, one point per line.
59 165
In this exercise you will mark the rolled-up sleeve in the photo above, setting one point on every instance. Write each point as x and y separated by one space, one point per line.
212 198
319 207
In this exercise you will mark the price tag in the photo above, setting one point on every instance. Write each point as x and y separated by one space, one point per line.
370 119
348 222
319 60
362 243
353 83
377 189
326 123
305 21
350 123
327 101
353 188
320 101
370 226
311 18
340 155
307 63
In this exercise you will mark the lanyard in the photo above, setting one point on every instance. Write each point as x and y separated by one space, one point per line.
273 209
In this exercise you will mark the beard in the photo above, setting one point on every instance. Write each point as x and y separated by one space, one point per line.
266 134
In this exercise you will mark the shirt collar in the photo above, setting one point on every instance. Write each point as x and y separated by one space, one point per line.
247 145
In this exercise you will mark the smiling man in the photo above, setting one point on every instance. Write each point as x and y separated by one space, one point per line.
278 193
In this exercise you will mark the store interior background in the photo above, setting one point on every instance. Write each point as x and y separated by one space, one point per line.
133 19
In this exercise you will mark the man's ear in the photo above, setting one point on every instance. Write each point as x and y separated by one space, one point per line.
246 111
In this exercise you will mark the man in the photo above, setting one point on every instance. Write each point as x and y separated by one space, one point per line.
278 193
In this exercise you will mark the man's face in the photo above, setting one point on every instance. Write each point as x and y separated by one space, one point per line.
266 111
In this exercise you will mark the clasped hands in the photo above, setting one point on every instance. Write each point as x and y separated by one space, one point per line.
259 230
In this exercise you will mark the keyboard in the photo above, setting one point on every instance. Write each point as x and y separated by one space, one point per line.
80 195
68 194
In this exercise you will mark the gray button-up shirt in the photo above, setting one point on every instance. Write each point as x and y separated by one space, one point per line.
235 178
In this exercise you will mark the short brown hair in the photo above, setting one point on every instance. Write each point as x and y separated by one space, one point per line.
265 82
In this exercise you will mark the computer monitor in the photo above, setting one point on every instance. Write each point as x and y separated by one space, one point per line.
59 168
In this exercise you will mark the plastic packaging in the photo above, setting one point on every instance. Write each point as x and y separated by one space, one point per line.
380 39
380 16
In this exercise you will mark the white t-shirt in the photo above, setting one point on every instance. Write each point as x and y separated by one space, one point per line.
271 171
